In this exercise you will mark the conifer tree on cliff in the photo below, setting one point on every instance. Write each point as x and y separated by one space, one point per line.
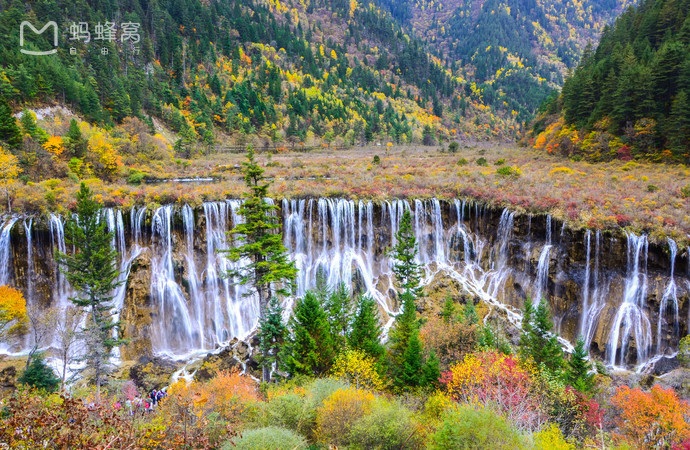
269 271
405 349
92 271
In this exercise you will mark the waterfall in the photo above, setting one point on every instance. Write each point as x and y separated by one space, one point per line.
585 285
548 229
30 272
631 314
172 326
61 289
670 294
195 307
505 231
5 250
542 273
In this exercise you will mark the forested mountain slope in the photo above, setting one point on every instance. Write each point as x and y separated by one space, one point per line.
629 97
286 71
512 52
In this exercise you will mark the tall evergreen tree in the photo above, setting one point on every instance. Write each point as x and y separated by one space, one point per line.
578 374
410 373
75 141
365 329
269 271
93 272
405 349
271 334
9 131
537 342
338 306
309 350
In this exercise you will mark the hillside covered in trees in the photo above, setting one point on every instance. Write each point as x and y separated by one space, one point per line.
511 52
308 71
628 98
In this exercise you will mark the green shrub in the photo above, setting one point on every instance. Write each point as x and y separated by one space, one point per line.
296 411
376 160
507 171
467 428
462 162
684 351
685 191
453 147
482 162
274 438
390 425
500 162
38 375
652 188
135 177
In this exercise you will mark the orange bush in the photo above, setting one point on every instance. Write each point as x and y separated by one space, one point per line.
652 419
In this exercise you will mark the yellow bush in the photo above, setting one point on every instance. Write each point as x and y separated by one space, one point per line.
551 438
356 368
339 412
563 170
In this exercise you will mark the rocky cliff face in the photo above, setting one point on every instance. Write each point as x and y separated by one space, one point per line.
628 297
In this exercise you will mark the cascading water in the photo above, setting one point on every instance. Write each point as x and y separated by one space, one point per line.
542 273
670 295
196 308
631 316
5 251
173 331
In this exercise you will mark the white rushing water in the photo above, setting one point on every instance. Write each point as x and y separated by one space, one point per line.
196 308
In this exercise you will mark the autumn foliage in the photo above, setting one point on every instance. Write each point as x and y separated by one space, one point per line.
652 419
12 311
496 380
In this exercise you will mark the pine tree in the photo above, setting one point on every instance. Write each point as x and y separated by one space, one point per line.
526 325
448 312
9 131
310 348
404 253
75 142
271 334
270 271
579 368
431 372
39 375
93 272
679 124
469 313
365 329
338 306
536 342
405 331
410 373
29 126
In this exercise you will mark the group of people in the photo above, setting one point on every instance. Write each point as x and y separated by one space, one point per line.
144 405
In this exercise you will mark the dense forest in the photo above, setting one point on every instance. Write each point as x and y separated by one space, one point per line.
284 71
628 98
513 52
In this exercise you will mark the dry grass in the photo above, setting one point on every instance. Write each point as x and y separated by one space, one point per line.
643 197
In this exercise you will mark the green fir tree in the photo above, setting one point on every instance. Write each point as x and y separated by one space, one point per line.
93 272
269 271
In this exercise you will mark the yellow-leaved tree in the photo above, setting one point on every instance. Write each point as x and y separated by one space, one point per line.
358 369
106 159
54 146
9 169
12 311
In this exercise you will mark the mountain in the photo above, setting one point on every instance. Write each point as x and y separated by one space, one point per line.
628 98
286 71
513 52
